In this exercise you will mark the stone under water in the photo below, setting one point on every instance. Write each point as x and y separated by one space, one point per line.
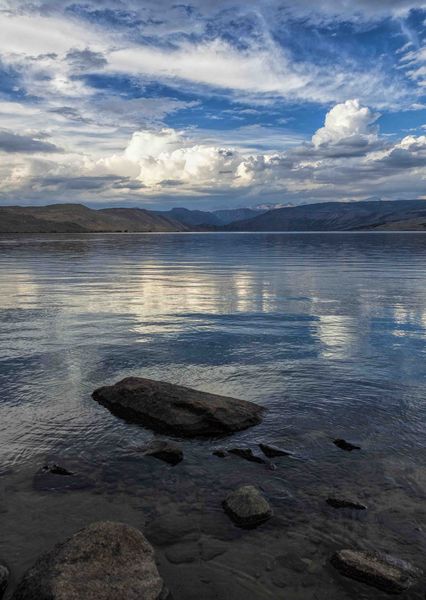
247 506
105 561
382 571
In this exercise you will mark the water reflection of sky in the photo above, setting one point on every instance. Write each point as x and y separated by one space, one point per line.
249 315
327 331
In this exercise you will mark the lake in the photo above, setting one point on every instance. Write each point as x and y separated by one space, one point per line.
327 331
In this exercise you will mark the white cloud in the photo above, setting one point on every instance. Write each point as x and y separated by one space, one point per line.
167 162
215 64
347 120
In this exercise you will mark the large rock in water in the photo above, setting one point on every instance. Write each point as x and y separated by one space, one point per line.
379 570
175 409
105 561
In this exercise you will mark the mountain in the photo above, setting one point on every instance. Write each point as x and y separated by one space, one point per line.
399 215
237 214
216 218
191 218
75 218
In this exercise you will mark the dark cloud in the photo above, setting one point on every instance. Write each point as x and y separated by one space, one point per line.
71 114
86 60
15 143
88 183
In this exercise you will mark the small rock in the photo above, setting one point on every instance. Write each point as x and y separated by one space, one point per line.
55 478
220 453
169 408
56 469
247 453
379 570
247 507
166 451
103 561
344 445
345 503
4 579
273 451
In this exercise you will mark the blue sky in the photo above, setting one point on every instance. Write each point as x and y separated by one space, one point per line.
211 104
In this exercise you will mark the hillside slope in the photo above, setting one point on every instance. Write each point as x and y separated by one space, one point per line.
339 216
74 218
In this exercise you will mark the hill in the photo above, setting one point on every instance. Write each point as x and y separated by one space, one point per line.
216 218
400 215
75 218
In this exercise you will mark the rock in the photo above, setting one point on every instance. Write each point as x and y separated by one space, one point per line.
345 503
247 453
167 451
4 579
56 469
379 570
344 445
105 561
55 478
220 453
273 451
247 507
175 409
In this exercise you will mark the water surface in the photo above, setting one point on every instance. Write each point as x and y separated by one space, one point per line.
326 330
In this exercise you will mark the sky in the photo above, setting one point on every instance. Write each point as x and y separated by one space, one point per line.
213 103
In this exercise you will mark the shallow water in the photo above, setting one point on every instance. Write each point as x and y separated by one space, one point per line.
326 330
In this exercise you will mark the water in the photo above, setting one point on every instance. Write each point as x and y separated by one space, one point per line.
326 330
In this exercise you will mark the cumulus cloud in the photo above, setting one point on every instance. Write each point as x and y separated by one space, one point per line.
163 162
347 121
107 79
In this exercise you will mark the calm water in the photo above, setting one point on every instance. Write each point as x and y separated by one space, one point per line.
327 331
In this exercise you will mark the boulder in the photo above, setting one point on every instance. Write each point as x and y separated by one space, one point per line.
345 503
167 451
247 454
247 507
4 579
175 409
344 445
105 561
379 570
273 451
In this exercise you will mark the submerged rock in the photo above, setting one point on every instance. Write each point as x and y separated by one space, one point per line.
273 451
220 453
167 451
247 454
379 570
176 409
344 445
4 579
345 503
53 477
56 469
105 561
247 507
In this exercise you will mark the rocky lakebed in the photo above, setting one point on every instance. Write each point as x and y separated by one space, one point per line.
195 541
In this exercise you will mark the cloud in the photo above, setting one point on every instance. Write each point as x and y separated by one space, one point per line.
14 143
347 122
346 159
85 60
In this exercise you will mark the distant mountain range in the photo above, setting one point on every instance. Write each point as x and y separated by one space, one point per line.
401 215
197 218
